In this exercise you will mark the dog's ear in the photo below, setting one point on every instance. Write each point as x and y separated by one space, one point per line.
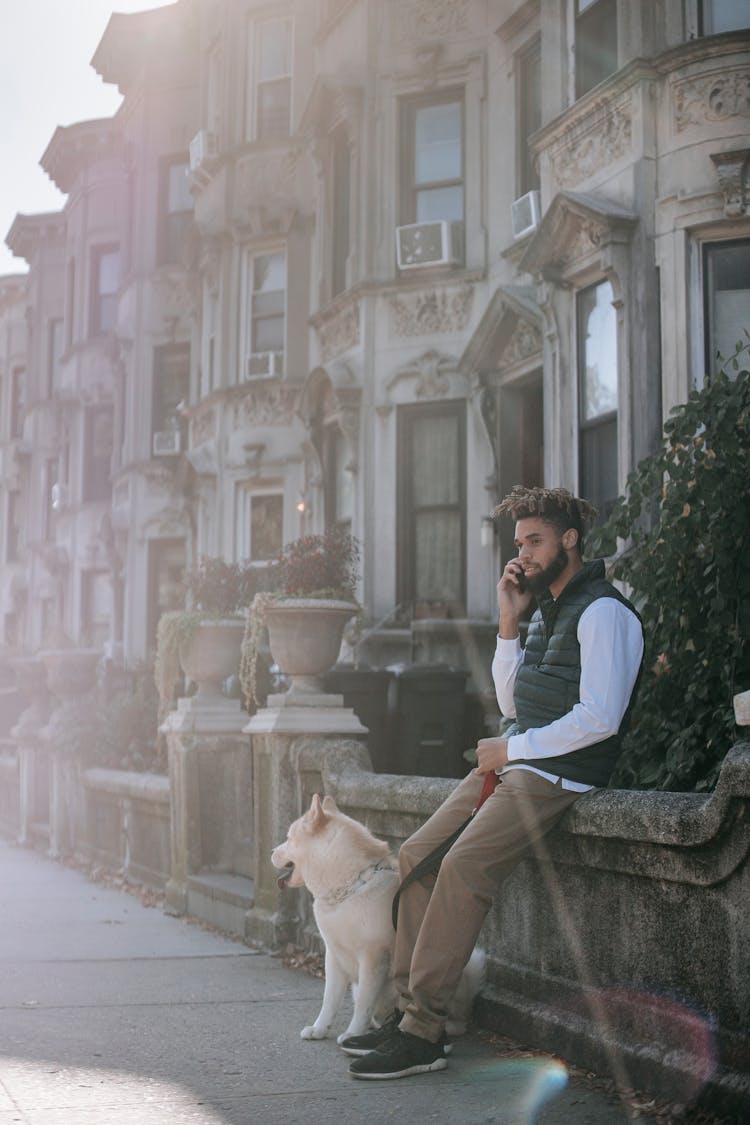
329 805
317 815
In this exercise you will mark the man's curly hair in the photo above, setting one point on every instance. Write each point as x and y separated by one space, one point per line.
556 506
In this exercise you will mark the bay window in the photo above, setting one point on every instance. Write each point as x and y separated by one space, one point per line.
726 294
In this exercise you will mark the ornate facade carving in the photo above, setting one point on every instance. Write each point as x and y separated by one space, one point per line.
268 191
203 426
431 373
423 19
525 341
338 329
424 312
731 171
711 98
598 142
265 405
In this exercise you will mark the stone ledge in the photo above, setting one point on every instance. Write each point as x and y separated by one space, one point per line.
127 783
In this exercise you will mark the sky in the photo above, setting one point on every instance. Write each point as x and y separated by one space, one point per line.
46 80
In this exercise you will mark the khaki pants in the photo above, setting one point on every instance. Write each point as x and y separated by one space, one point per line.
439 918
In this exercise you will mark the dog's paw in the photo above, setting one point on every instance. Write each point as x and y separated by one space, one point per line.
313 1032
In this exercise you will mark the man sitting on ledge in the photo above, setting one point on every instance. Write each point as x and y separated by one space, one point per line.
570 691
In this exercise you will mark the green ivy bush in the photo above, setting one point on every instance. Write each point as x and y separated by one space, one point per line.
685 519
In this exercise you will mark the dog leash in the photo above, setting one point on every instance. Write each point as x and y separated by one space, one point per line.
430 863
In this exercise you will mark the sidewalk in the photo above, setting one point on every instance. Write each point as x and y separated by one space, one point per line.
115 1014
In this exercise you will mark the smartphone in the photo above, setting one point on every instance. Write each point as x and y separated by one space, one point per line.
521 581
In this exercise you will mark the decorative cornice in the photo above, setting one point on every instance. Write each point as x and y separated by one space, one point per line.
575 226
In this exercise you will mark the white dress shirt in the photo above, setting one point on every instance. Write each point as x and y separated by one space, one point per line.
611 641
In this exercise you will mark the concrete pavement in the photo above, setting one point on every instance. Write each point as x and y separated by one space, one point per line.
112 1013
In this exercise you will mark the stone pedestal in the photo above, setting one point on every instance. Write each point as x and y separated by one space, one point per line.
71 673
33 760
277 731
210 775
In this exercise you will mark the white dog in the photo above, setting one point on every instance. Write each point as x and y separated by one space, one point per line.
353 877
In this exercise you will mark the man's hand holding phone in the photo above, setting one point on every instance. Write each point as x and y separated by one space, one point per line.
513 599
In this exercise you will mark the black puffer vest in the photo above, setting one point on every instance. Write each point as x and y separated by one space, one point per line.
547 684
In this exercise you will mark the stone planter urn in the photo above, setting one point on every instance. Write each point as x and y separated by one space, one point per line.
304 636
212 654
70 671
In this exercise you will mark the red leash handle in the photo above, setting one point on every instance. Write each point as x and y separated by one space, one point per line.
490 784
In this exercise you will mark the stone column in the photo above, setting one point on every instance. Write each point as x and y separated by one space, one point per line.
277 795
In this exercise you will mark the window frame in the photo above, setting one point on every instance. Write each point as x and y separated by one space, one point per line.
409 190
246 492
253 54
18 401
97 486
527 177
583 19
586 426
54 324
163 355
704 18
708 333
96 321
249 316
173 224
406 511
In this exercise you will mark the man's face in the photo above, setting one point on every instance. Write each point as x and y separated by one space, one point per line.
541 553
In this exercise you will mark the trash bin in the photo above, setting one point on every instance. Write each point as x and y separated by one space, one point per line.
429 720
365 690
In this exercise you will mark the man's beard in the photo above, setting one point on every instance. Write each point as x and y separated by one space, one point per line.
540 580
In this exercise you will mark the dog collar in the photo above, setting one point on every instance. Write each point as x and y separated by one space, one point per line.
343 892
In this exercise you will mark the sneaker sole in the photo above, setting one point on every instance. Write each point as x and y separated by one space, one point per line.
360 1052
422 1068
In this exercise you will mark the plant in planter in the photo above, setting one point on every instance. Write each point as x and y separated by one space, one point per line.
314 579
204 640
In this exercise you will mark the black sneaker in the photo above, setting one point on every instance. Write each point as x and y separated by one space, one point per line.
403 1055
362 1044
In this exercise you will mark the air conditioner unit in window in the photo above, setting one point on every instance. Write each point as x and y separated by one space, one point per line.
166 443
59 497
204 148
261 364
438 243
524 213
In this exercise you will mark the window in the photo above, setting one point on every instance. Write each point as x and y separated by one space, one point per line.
14 537
171 388
177 210
17 401
597 381
259 523
54 351
432 159
166 568
723 15
97 606
431 499
105 272
266 526
51 477
726 291
209 341
596 42
213 90
97 469
520 444
338 488
267 289
529 113
341 189
271 67
70 301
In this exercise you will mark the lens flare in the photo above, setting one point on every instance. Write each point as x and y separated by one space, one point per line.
533 1082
